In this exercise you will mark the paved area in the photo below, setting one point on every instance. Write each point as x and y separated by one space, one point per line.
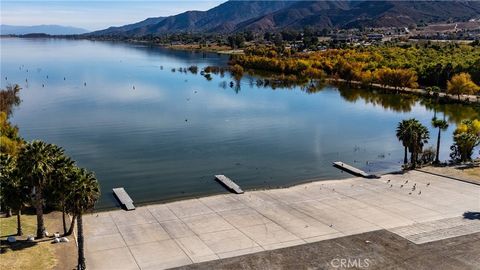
211 228
425 232
378 250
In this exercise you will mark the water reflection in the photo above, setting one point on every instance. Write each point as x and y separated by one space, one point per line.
166 138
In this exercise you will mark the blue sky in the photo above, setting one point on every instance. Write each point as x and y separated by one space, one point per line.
94 15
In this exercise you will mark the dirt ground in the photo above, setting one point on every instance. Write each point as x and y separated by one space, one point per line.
466 173
373 250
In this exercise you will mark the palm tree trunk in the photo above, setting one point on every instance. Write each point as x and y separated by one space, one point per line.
72 226
413 158
63 220
405 156
19 223
81 256
39 210
437 158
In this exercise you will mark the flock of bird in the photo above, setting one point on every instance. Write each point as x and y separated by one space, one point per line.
85 83
413 189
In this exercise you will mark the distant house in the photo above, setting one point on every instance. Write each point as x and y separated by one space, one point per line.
376 37
345 38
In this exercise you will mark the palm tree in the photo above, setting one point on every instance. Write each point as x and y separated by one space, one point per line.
60 187
404 135
419 137
36 165
13 194
442 125
83 197
413 136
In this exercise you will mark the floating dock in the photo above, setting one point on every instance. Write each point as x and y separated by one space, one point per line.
229 183
124 199
353 170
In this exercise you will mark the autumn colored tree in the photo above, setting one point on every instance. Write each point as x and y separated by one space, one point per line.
462 84
466 137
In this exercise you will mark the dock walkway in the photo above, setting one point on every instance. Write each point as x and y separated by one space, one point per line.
124 199
229 183
352 170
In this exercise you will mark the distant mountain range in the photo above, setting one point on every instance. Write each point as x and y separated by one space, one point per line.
40 29
260 16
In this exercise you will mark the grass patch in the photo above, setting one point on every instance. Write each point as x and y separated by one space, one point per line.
22 254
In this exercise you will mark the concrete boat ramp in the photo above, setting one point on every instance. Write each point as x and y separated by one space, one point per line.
416 206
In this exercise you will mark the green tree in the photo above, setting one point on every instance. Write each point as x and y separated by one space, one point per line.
442 125
12 194
403 134
60 186
36 165
420 136
84 195
413 136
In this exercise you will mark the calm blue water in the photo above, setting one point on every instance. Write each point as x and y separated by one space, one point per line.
166 138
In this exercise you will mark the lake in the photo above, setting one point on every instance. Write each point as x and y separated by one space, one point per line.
120 111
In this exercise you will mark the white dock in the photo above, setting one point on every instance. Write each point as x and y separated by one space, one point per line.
124 199
229 183
352 170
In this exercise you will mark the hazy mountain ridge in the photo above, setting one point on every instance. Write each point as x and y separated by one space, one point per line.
122 30
260 16
43 29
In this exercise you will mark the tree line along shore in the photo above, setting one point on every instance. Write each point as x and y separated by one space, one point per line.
446 70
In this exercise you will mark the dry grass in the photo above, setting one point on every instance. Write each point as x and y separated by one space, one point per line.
459 172
473 172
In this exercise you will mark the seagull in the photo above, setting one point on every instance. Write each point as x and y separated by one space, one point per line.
406 181
401 186
388 181
428 184
420 192
64 78
134 87
409 193
186 120
43 85
84 84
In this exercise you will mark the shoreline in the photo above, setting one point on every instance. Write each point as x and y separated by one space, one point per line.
207 195
424 170
464 99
